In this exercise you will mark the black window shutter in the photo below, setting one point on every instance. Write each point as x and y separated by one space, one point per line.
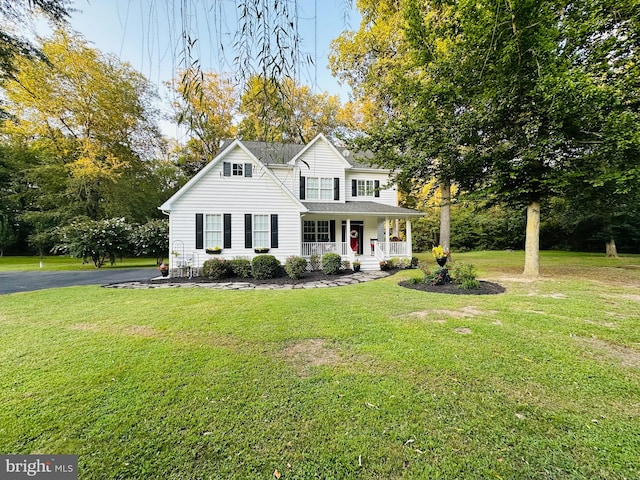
354 188
274 231
248 231
336 188
332 230
248 171
199 231
303 188
227 230
226 169
376 186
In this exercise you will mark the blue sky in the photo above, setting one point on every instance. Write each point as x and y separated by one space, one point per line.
145 33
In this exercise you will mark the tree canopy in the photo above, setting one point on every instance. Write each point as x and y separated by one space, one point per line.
508 97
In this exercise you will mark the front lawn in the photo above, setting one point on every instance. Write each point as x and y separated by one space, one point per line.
366 381
61 262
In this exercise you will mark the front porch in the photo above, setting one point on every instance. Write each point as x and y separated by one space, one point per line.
368 239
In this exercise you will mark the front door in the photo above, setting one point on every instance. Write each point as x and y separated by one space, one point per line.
354 237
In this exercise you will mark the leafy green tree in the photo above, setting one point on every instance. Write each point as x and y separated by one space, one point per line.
499 96
98 240
18 12
207 105
92 115
282 111
151 239
7 235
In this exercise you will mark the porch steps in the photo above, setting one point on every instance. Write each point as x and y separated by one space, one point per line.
368 263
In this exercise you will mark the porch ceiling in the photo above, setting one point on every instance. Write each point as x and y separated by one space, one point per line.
361 208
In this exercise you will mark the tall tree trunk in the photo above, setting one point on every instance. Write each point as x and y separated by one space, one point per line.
532 242
445 214
612 251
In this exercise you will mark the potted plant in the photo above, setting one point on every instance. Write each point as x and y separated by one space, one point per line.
440 254
356 266
214 251
163 269
261 250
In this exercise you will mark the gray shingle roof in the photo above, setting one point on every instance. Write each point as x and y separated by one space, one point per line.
281 153
360 208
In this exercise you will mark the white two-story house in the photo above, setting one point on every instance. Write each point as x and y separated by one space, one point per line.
302 200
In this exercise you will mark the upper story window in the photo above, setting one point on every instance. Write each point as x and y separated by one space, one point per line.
237 169
365 188
318 188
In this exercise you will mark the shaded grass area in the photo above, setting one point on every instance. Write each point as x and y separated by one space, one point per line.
52 262
366 381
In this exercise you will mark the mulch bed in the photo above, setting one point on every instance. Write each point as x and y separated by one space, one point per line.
486 288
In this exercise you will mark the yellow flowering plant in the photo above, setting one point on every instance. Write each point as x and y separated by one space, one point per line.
439 252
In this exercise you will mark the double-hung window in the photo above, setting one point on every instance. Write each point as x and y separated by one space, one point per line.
366 188
213 231
326 189
260 231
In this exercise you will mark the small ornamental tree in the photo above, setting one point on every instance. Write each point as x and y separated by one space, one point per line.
98 240
151 239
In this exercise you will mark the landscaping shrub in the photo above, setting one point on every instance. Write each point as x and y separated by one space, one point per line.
464 275
216 268
295 266
265 266
240 267
331 263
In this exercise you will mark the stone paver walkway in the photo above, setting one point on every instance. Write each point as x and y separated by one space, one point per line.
340 281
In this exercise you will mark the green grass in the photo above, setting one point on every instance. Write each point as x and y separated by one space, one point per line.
366 381
23 264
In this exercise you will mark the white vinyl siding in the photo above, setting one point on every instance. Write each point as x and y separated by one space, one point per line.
320 162
261 231
237 196
213 231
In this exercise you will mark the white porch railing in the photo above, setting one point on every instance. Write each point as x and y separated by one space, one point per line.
396 249
320 248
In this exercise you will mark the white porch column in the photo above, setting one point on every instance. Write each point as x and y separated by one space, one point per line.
386 237
408 235
348 239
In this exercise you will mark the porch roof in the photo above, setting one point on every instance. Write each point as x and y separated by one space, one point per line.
360 208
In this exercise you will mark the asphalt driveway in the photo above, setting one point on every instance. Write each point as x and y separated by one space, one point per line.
12 282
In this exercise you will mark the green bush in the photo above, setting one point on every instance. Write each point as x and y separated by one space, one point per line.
265 266
464 275
99 240
331 263
295 266
240 267
151 239
216 268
